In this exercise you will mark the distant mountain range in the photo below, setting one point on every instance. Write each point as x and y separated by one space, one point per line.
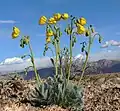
97 67
100 66
108 66
45 72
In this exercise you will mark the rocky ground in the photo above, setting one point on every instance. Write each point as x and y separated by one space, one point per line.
101 93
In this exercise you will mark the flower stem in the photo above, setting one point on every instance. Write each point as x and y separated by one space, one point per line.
56 60
91 40
60 60
56 50
70 57
85 64
38 79
70 51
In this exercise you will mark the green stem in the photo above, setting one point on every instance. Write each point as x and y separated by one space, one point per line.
91 39
56 62
70 51
38 79
84 66
60 61
70 57
56 50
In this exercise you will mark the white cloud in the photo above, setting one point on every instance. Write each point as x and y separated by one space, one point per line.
115 43
16 64
110 55
28 60
7 21
80 56
14 60
105 45
111 43
43 62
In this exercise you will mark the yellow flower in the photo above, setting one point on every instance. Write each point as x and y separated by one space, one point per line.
16 30
52 21
57 16
15 33
82 21
48 39
65 16
42 20
49 33
80 29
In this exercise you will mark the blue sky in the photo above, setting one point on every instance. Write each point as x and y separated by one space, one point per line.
103 14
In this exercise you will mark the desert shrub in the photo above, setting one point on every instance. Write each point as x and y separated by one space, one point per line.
60 90
56 91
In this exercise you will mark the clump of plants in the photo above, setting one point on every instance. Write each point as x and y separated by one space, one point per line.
60 90
55 92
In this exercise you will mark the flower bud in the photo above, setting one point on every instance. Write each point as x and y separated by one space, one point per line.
57 16
82 21
65 16
49 33
42 20
80 29
48 39
52 21
15 33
